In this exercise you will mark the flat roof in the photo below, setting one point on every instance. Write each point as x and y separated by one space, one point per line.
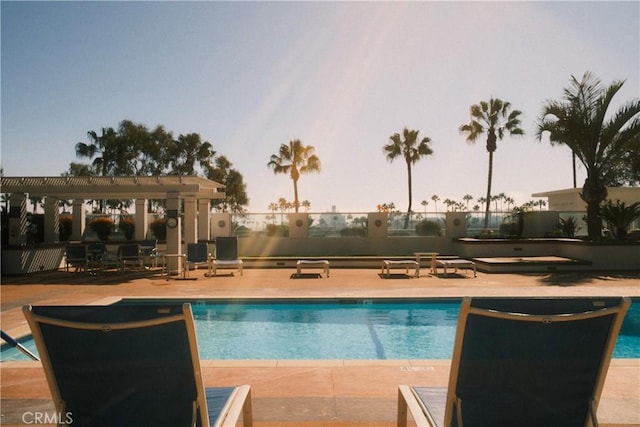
570 191
116 187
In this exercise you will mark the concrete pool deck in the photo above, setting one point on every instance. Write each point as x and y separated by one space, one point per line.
307 393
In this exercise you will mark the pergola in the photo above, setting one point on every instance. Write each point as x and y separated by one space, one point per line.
193 192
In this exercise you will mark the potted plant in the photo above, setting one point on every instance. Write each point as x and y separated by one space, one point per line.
102 226
159 228
128 227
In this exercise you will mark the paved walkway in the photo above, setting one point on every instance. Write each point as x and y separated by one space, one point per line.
308 393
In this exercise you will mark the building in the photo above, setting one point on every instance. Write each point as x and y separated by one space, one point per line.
569 200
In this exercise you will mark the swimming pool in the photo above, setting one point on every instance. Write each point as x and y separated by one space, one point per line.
340 329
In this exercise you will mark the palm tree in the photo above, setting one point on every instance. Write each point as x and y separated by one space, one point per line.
435 199
494 118
495 199
101 147
295 159
467 198
273 207
598 138
501 198
449 203
509 201
424 203
283 205
412 151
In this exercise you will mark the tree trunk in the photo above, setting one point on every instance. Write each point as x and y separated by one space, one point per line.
295 195
487 211
406 220
594 192
573 155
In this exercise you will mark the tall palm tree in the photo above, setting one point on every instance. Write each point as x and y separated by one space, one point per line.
411 150
467 198
598 138
424 203
273 207
104 151
509 201
495 118
102 148
435 199
295 159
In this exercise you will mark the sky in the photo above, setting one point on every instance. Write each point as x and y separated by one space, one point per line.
342 77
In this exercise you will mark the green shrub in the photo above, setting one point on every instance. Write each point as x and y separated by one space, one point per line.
568 226
620 216
428 228
274 230
508 229
354 231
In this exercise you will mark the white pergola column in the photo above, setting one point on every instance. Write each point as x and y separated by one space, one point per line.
204 228
51 220
174 239
141 218
190 230
18 219
78 219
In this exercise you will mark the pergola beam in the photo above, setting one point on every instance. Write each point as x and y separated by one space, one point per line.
122 187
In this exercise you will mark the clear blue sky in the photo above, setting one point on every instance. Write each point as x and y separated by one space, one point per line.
343 77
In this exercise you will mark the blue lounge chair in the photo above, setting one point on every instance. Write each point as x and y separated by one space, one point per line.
226 255
523 362
130 254
100 259
77 256
197 255
130 365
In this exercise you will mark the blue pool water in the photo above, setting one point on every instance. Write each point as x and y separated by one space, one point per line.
348 330
326 331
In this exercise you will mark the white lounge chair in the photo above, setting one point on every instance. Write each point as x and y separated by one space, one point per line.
456 264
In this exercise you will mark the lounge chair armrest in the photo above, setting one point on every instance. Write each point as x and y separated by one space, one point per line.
239 402
408 403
